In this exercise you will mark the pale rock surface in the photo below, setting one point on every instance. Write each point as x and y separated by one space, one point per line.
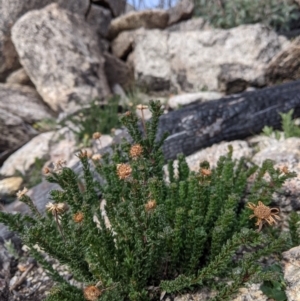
10 186
183 10
62 146
59 52
117 7
285 151
16 119
10 12
24 158
213 153
291 272
190 61
177 101
122 45
154 18
19 77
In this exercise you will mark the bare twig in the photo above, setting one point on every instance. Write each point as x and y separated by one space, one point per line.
22 278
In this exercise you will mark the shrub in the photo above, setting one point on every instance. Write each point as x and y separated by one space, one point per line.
231 13
289 127
95 118
163 234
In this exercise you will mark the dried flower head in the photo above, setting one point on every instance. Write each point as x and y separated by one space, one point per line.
263 213
97 135
285 169
91 293
141 107
21 193
123 170
59 165
128 113
96 157
135 151
150 205
84 153
205 172
57 208
78 217
47 170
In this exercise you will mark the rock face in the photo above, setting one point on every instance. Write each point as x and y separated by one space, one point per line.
19 77
59 52
162 62
117 72
16 118
24 158
292 273
99 18
122 45
181 11
286 65
176 101
10 12
149 19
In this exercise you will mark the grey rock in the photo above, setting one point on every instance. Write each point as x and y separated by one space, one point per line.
16 119
235 78
285 66
285 151
10 12
122 45
149 19
291 272
183 10
59 52
23 159
117 72
161 62
99 18
187 98
19 77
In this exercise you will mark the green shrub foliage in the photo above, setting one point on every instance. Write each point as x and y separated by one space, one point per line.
95 118
288 125
231 13
164 234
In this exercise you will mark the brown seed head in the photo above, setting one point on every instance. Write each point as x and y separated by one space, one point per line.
47 170
91 293
21 193
57 208
150 205
78 217
205 172
97 135
135 151
285 169
123 170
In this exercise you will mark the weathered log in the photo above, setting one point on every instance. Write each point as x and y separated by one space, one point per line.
233 117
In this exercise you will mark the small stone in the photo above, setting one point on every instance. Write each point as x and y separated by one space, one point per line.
10 186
